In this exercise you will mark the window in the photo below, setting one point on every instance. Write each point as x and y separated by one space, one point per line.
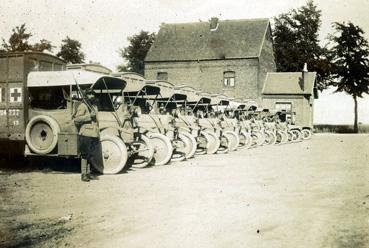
49 97
45 66
286 106
162 76
229 78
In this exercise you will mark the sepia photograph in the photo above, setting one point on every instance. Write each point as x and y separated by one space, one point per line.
187 123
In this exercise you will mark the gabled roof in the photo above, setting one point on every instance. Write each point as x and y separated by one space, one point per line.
195 41
280 83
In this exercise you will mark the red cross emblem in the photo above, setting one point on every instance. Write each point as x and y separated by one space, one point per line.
15 94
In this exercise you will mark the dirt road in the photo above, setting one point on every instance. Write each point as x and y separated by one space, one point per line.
310 194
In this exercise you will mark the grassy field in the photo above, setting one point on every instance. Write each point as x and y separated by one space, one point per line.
327 128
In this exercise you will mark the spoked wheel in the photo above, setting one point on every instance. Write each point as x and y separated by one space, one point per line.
144 152
182 146
113 154
306 134
297 135
233 140
224 144
270 138
202 143
213 143
282 137
163 148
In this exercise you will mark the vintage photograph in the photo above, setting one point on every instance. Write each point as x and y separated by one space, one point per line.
210 124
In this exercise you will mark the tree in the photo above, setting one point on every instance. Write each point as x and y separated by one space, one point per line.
43 45
296 42
18 42
71 52
136 52
350 67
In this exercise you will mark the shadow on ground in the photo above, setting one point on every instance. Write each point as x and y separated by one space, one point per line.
43 164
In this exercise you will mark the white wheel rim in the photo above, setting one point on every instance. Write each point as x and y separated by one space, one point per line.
163 149
114 154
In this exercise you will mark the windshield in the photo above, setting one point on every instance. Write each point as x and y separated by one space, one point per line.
108 102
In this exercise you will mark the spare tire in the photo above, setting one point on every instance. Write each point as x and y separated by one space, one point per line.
42 134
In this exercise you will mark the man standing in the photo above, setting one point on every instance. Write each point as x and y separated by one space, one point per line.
85 118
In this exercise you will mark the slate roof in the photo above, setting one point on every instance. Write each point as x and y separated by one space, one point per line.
279 83
241 38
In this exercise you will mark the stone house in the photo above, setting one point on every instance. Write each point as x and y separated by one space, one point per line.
293 92
230 57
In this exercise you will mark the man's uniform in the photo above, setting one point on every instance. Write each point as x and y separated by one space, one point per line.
85 119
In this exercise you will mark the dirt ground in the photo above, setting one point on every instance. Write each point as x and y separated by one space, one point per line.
310 194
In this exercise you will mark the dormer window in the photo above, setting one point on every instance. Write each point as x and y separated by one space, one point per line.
229 78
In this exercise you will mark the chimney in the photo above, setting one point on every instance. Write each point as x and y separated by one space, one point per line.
214 23
304 76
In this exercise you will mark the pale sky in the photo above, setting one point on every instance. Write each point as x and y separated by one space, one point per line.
103 27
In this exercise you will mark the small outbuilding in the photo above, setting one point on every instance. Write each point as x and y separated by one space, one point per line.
293 92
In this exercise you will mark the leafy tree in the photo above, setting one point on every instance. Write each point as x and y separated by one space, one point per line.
350 67
136 52
296 42
18 42
43 45
71 52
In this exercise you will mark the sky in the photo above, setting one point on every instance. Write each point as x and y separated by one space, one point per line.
102 26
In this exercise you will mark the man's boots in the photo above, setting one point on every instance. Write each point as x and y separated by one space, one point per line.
84 171
85 178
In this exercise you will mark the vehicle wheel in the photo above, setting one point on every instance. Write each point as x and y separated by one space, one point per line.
297 135
249 139
144 154
306 134
270 138
258 138
202 143
192 149
182 147
163 148
113 153
186 147
289 136
278 135
245 139
42 134
224 141
213 143
233 140
282 137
